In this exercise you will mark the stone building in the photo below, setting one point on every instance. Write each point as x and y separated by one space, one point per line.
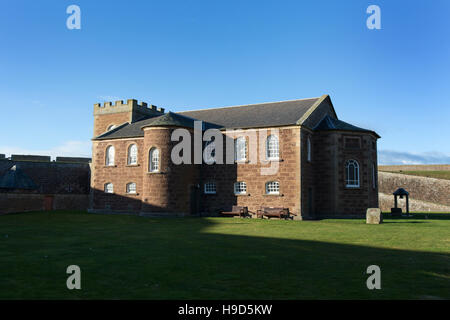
324 166
35 183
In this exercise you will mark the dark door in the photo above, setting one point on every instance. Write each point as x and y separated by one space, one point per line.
194 191
48 203
310 201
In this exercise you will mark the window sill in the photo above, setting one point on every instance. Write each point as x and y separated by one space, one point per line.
209 193
241 161
132 194
353 187
133 165
110 166
155 172
274 160
242 194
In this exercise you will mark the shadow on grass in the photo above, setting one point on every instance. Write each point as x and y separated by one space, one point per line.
130 257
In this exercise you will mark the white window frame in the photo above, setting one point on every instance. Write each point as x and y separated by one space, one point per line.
352 165
154 160
210 187
240 187
110 155
129 190
272 147
208 156
240 149
308 149
272 187
108 187
132 156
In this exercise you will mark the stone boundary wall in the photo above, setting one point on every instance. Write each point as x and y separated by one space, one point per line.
420 188
25 202
386 202
418 167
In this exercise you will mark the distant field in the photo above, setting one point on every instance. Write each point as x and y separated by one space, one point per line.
444 174
415 167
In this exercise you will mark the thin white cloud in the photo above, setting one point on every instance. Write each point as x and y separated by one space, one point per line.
108 98
389 157
67 149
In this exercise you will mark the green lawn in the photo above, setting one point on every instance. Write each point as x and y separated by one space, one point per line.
131 257
444 174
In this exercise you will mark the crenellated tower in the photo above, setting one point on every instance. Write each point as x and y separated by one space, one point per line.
110 115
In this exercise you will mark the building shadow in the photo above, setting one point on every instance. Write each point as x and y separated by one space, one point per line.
199 258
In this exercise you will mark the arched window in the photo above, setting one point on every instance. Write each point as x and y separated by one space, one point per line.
131 187
210 187
154 160
111 127
240 149
272 147
352 174
209 155
109 188
240 187
110 152
273 187
132 154
308 149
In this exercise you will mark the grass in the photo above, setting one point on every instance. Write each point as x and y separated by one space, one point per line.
444 174
131 257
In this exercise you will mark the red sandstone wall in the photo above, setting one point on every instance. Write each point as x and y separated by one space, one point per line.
288 176
119 175
23 202
102 122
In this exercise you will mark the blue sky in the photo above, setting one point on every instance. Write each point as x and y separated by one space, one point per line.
182 55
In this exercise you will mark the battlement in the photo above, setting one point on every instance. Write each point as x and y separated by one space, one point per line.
130 105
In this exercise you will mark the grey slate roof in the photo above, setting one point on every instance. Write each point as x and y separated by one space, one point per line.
134 129
255 115
329 123
15 178
246 116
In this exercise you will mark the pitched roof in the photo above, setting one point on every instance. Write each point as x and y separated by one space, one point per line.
329 123
270 114
131 130
15 178
255 115
245 116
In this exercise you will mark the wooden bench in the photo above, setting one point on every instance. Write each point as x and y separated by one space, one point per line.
278 212
236 211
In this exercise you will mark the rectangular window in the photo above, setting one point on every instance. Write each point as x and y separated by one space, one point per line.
240 188
210 188
109 188
273 187
131 188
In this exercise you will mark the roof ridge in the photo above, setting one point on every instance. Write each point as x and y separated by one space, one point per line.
251 104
